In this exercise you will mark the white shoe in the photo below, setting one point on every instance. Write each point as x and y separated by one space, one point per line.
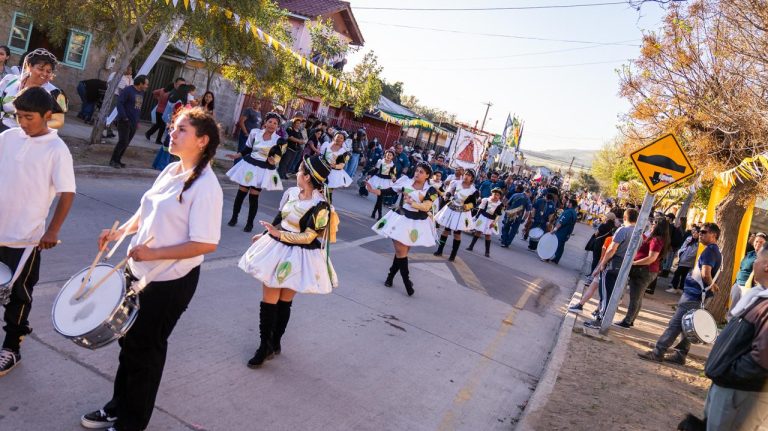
673 290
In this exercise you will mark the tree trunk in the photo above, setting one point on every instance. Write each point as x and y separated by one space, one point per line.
728 216
106 104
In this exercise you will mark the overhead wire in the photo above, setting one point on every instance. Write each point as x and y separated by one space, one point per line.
479 9
524 54
553 66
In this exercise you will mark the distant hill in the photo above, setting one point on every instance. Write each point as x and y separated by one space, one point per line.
563 157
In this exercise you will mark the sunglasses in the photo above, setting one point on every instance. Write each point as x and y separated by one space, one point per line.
703 231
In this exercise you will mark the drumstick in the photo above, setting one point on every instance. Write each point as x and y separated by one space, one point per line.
95 261
119 241
109 274
22 244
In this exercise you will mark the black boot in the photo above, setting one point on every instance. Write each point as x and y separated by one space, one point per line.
472 244
253 208
392 272
487 248
267 317
454 249
283 315
405 273
441 246
239 198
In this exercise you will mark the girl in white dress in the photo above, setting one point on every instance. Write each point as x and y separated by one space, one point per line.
411 224
382 176
461 196
487 220
289 257
336 156
256 170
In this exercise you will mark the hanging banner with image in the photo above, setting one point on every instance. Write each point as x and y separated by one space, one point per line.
469 149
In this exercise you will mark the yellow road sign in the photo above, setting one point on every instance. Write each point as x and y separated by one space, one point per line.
662 163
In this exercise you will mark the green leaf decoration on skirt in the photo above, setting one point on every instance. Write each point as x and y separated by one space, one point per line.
274 179
248 176
466 222
414 235
381 224
283 270
479 222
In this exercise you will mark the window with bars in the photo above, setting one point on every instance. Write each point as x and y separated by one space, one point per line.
24 36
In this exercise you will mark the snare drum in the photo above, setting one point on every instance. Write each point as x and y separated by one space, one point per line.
547 246
699 326
536 233
99 318
6 275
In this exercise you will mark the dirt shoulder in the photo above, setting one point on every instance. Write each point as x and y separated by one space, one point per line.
602 384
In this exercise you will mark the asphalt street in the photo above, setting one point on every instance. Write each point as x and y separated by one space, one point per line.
464 353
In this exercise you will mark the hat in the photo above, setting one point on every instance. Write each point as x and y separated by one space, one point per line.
497 190
279 108
610 216
317 168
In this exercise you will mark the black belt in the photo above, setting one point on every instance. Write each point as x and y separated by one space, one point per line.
414 215
259 163
486 214
383 176
314 245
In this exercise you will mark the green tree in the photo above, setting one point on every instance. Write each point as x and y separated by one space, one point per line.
392 91
611 166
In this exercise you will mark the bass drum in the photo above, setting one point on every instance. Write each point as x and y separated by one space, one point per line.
536 233
547 246
699 326
99 317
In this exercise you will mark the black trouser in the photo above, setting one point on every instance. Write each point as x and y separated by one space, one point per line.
143 350
158 127
678 280
597 252
125 132
285 162
607 283
17 310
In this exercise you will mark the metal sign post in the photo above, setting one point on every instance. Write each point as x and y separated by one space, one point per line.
629 256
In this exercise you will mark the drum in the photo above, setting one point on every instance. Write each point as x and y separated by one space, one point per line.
5 283
547 246
100 317
699 326
536 233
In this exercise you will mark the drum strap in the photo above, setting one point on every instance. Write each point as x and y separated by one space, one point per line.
22 263
141 283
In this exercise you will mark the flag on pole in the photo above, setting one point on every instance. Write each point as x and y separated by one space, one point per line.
507 134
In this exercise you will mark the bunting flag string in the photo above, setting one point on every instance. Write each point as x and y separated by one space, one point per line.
750 169
249 26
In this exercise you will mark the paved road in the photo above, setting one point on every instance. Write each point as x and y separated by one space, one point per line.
464 353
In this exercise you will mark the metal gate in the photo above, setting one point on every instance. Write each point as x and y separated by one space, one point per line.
161 75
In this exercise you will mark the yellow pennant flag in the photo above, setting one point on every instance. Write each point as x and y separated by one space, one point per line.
186 4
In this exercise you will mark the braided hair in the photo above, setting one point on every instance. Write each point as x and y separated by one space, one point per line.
204 125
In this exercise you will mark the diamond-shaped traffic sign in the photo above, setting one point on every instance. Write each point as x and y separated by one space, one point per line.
662 163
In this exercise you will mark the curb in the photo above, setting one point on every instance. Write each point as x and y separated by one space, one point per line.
108 171
555 361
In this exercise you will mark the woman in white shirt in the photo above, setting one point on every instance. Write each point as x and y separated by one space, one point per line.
182 212
336 155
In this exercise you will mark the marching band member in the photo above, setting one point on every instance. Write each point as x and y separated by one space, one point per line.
382 177
543 210
35 166
410 225
257 169
487 220
336 156
288 257
461 196
182 212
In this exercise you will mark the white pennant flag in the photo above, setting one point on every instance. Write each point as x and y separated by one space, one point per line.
192 4
175 2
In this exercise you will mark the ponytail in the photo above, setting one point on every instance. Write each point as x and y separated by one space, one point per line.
204 125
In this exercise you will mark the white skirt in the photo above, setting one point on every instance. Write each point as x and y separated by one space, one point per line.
248 175
454 220
338 178
291 267
408 231
483 225
380 183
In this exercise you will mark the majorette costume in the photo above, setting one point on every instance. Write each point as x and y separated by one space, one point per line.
487 221
410 224
295 260
254 171
336 159
382 177
456 215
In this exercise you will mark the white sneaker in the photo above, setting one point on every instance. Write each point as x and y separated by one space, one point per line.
8 360
673 290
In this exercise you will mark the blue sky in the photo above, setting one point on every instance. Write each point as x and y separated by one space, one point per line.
564 106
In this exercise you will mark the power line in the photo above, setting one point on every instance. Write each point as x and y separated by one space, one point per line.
524 54
480 9
510 36
553 66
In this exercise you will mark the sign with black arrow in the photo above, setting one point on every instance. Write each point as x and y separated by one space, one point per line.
662 163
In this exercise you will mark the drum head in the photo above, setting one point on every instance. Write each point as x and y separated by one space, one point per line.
705 326
5 274
73 318
536 233
547 246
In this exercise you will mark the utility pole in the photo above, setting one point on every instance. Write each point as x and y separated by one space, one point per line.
488 107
